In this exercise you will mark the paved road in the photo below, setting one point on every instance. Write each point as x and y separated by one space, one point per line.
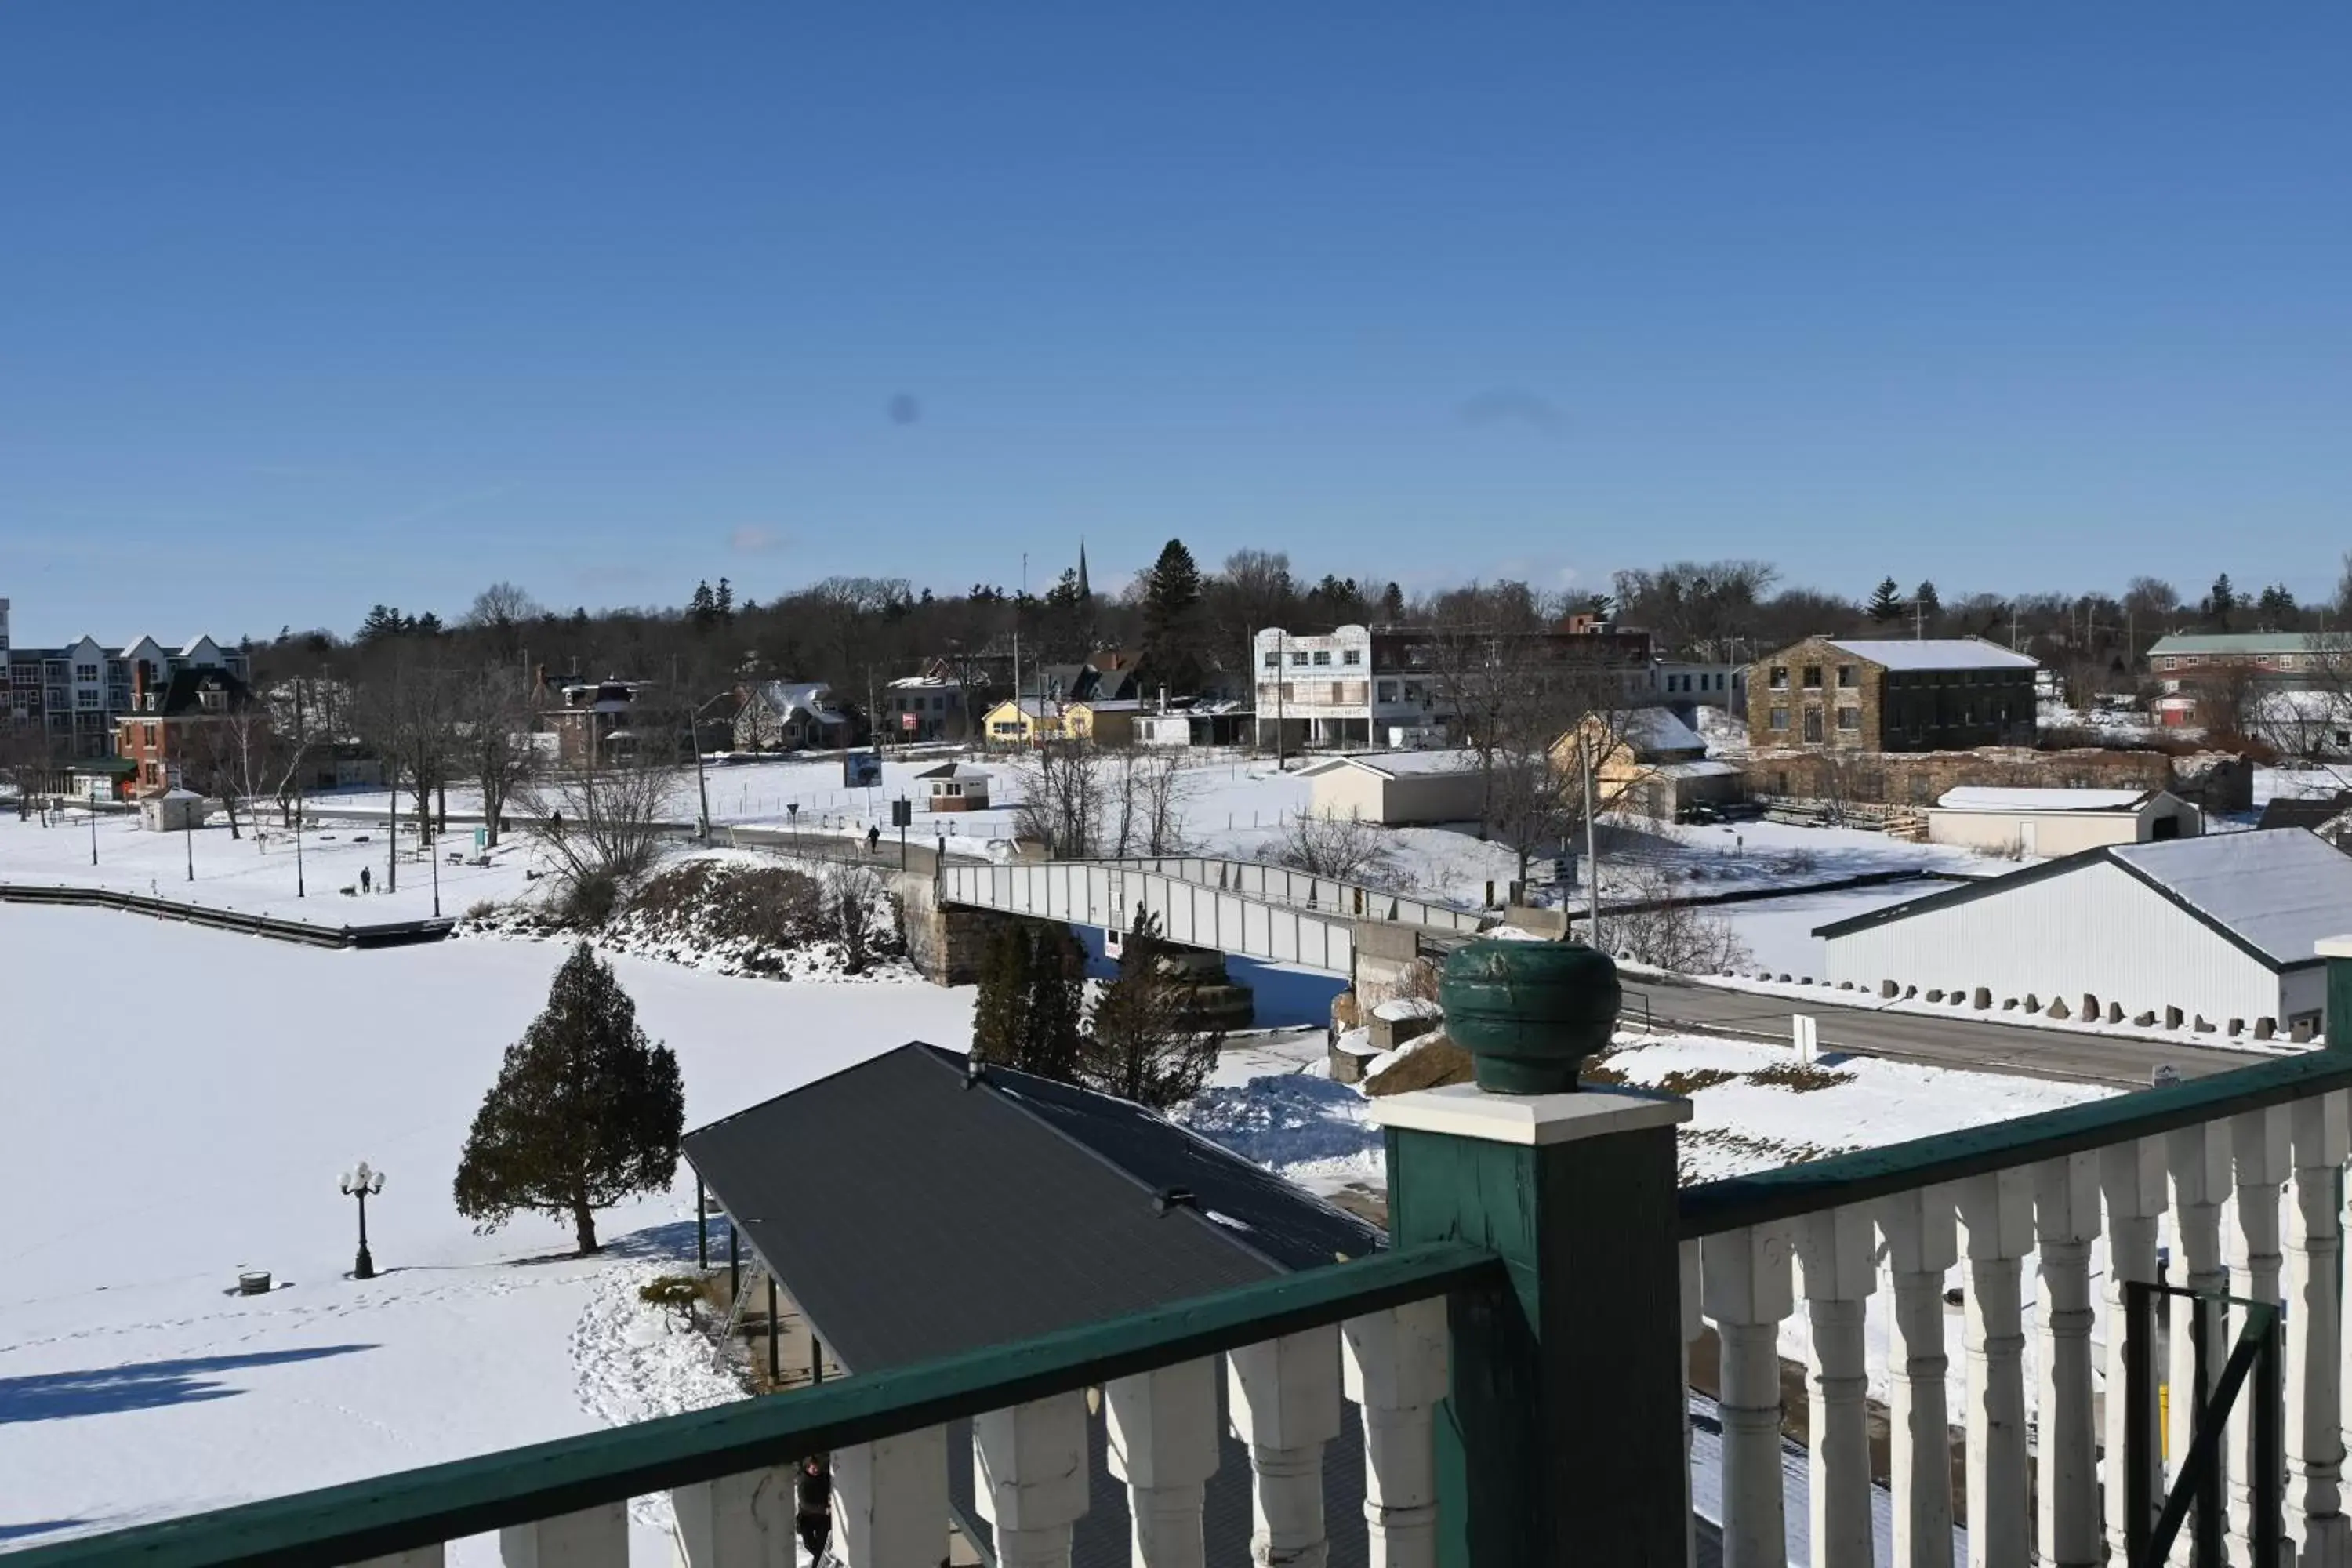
2014 1049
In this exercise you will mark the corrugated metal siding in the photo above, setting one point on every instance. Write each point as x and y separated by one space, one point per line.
2095 929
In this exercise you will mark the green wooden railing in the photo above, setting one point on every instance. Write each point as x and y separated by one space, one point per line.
1714 1208
468 1497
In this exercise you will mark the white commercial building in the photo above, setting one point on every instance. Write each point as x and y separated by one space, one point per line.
1319 690
2054 822
2215 934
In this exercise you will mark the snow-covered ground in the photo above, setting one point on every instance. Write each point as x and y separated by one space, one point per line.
150 1151
259 873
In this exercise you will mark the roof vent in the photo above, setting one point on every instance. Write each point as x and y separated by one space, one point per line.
1172 1197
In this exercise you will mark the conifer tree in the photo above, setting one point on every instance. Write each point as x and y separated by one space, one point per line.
1141 1043
586 1110
1055 1013
1000 1013
1885 601
1171 618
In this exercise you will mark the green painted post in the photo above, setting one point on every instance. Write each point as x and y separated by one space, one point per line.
2337 952
1562 1440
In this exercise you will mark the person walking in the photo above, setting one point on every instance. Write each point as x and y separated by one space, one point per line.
813 1507
367 883
874 838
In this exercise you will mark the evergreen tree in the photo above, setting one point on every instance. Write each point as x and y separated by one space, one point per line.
586 1110
426 624
2276 607
1140 1042
1054 1014
722 603
1171 618
382 621
1392 605
1000 1012
2222 602
703 608
1885 601
1924 596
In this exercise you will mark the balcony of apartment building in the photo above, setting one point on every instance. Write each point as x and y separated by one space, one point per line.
1561 1356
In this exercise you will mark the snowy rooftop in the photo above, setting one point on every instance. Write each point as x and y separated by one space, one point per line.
1985 797
1657 729
2282 892
2241 642
1934 652
1394 764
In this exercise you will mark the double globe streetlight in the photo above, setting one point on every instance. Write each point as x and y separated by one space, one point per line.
362 1182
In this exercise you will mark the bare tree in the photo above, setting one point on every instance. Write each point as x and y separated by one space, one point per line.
1344 849
490 739
1063 799
235 755
28 756
1146 791
498 614
601 826
407 709
855 906
1670 932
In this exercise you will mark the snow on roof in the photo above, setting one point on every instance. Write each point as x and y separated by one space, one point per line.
2280 891
1657 729
1934 652
926 682
1980 797
1398 1008
1703 769
813 697
1109 705
2243 642
1394 764
954 771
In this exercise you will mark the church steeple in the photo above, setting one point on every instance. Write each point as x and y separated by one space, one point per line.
1085 593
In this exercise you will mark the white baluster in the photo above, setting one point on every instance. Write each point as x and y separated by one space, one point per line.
2132 1176
2315 1367
1285 1397
2261 1142
1694 1309
890 1500
1835 1253
1922 1245
594 1538
1030 1477
737 1521
1744 1279
2065 1223
2199 1161
1163 1427
1997 1223
1394 1366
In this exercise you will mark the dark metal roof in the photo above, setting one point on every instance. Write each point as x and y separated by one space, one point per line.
912 1214
2314 812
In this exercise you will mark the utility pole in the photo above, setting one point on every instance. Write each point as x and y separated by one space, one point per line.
1281 691
1592 850
392 833
301 738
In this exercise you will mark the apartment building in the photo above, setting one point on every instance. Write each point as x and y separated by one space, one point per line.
76 693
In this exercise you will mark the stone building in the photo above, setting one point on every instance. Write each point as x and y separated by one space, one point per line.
1862 694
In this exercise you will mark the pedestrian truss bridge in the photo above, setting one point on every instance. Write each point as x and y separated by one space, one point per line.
1244 907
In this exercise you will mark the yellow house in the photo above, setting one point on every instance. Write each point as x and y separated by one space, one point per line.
1033 720
1646 762
1025 722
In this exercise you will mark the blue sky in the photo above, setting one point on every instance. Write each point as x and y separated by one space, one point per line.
304 307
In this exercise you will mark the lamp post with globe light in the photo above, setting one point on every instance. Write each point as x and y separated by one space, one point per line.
362 1183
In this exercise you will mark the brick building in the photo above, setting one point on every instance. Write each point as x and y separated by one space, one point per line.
74 695
157 735
1864 694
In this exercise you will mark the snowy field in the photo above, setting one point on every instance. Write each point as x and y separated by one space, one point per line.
257 873
144 1160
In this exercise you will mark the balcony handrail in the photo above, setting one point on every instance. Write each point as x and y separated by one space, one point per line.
412 1508
1765 1198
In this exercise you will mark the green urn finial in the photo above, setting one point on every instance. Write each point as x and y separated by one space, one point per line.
1528 1012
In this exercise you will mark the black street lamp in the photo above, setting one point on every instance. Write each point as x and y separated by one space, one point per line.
362 1183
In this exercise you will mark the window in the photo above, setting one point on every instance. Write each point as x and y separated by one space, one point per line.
1352 655
85 699
1780 677
1779 717
1813 677
87 672
1273 659
1323 655
1299 657
150 728
1388 690
1849 677
1849 718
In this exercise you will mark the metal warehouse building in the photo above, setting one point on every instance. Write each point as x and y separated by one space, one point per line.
2216 932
